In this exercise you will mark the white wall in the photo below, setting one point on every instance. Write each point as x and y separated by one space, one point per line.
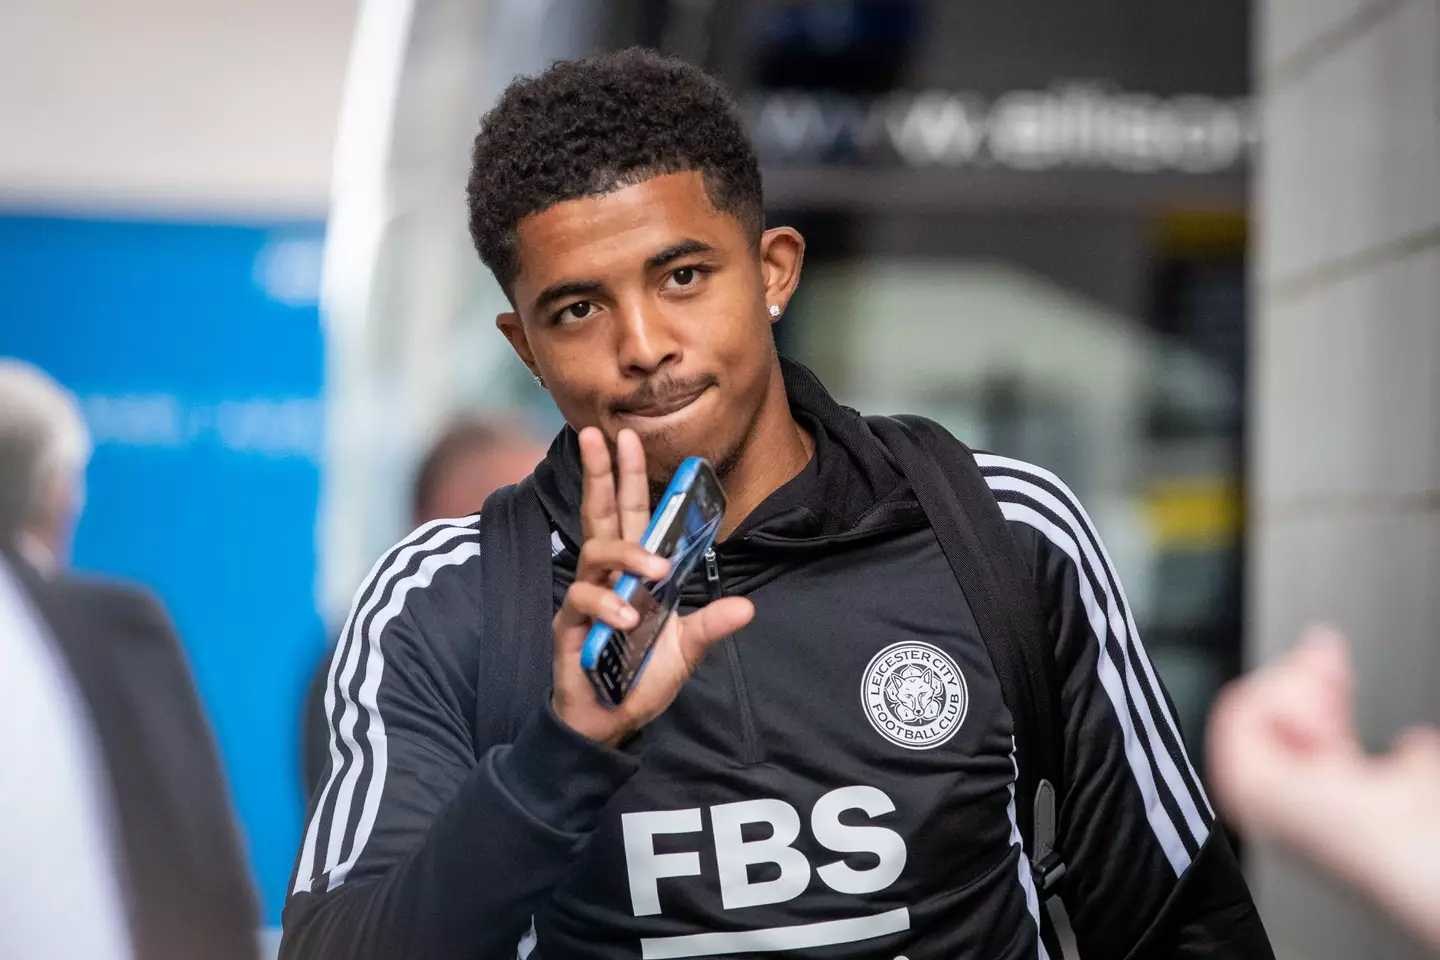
203 106
1346 482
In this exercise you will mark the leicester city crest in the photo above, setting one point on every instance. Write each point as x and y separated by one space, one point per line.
914 695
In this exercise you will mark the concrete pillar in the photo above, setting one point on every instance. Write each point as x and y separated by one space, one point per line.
409 309
1345 488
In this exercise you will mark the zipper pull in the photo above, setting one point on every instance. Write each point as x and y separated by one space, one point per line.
712 571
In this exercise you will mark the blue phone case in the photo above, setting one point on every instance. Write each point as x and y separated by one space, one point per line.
696 533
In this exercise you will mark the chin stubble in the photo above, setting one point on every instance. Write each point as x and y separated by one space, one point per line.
723 468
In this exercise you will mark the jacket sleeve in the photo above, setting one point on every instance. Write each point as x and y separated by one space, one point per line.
1150 871
414 845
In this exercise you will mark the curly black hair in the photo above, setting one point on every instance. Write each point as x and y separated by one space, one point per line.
587 127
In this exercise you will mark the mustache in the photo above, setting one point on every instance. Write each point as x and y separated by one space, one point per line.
653 392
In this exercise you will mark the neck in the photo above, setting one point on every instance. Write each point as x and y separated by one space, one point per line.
778 448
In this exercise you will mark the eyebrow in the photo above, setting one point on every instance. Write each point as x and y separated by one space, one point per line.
675 251
567 288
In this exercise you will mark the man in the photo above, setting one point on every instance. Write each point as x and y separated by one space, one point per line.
742 800
181 868
470 460
1289 767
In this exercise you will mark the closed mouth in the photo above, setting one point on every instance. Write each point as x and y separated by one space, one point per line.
664 405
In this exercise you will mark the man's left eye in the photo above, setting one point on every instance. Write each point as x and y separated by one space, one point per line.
684 276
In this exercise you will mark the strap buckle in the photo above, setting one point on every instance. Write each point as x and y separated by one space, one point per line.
1047 867
1048 871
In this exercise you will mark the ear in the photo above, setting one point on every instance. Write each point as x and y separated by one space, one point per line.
782 252
509 324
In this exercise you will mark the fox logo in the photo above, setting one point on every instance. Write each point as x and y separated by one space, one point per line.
914 695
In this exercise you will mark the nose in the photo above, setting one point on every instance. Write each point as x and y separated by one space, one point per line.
646 341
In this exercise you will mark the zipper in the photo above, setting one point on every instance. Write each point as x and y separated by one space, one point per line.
749 740
712 574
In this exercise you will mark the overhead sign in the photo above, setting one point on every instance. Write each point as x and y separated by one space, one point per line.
1076 125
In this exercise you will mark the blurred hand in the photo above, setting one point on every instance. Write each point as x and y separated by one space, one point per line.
613 521
1287 766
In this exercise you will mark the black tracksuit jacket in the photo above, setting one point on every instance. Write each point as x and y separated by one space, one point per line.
836 780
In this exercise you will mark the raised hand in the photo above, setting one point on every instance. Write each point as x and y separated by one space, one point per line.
614 517
1287 766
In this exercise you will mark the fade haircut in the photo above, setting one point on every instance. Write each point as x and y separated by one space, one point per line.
584 128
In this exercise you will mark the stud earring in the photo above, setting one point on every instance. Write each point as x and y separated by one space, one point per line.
774 312
539 380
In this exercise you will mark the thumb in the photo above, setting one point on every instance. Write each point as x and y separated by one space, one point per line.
1325 655
679 651
710 623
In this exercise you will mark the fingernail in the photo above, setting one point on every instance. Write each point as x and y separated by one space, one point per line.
628 616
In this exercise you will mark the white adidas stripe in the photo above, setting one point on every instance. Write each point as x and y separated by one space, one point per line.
1081 525
345 662
362 648
527 943
1027 878
385 565
367 648
1165 830
1128 639
369 690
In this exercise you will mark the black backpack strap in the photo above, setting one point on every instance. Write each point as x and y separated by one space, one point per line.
517 603
1000 590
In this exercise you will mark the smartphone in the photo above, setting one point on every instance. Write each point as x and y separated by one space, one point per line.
681 530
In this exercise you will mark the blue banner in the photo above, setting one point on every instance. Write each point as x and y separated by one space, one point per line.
197 355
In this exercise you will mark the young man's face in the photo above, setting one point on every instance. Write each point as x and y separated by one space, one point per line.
648 308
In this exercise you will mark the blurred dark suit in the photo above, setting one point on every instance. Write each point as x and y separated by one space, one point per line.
188 889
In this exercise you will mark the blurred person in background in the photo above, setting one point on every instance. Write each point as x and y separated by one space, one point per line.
181 867
44 447
470 460
1288 766
618 202
63 896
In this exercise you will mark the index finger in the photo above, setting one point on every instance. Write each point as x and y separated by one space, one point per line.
599 516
